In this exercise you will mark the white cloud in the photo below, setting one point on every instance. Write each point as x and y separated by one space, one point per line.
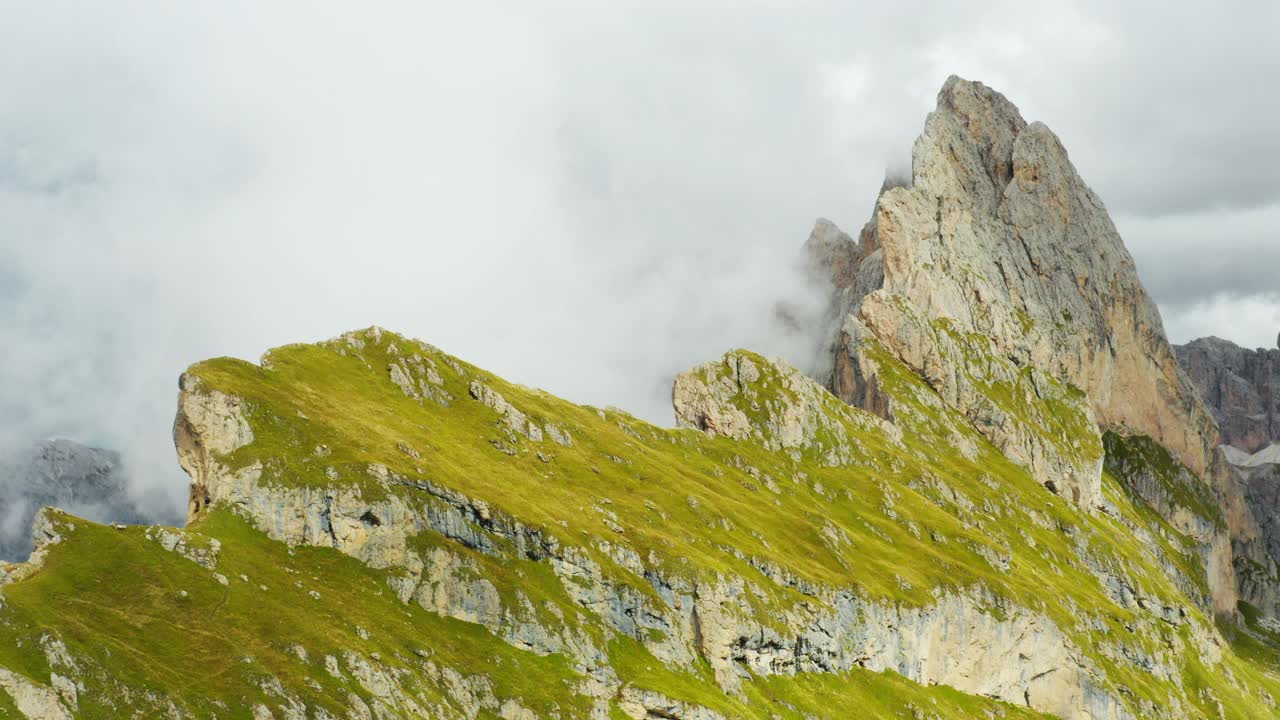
1186 257
585 197
1251 321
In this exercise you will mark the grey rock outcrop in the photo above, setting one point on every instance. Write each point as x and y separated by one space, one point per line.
744 396
1257 553
35 702
1240 386
1242 389
998 234
997 275
85 481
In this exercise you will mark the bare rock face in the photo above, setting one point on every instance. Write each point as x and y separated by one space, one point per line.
62 473
1032 418
830 252
1252 505
1000 238
32 700
208 425
1242 389
1240 386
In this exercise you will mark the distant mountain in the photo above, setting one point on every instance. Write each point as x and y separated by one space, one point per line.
1240 386
1242 389
62 473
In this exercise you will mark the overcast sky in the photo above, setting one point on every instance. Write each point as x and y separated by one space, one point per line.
586 197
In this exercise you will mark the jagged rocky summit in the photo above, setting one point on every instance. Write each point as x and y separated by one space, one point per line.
1242 389
997 236
950 522
59 472
997 276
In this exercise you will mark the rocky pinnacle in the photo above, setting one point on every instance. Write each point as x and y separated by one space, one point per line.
998 235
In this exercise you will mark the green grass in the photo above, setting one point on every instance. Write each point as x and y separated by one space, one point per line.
114 598
1135 457
812 696
1051 409
901 522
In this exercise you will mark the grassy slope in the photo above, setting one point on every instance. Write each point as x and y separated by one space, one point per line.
114 598
1141 454
915 518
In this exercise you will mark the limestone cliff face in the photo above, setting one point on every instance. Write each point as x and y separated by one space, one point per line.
208 425
999 235
1257 550
1184 501
728 398
1240 386
1249 492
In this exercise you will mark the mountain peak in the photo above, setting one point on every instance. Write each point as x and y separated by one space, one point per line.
968 142
999 278
1000 236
